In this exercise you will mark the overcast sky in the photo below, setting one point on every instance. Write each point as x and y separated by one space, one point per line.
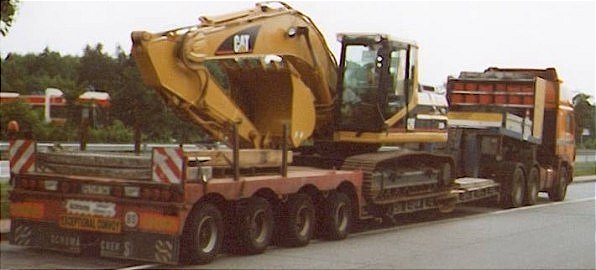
453 36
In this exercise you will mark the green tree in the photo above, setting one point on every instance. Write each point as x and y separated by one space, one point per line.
133 103
8 9
137 105
97 70
585 115
33 73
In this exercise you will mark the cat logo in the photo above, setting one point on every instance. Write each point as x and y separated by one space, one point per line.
242 43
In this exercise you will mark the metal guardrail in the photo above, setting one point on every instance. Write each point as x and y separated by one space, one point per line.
585 155
114 147
582 155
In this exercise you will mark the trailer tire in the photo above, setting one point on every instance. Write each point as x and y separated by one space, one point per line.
255 226
559 191
512 193
203 235
297 221
336 216
532 186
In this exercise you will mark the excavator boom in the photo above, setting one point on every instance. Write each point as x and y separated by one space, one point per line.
260 69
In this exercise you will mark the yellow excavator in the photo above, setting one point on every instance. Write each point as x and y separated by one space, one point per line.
259 70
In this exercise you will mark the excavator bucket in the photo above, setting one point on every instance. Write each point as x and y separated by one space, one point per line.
268 90
261 93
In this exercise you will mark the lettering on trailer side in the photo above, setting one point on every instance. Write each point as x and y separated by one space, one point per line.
104 209
65 240
86 223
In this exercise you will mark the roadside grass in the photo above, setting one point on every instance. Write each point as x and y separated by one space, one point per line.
4 189
585 168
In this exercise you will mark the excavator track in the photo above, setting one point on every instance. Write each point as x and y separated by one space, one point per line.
395 176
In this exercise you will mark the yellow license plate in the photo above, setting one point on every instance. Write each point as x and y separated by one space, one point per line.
87 223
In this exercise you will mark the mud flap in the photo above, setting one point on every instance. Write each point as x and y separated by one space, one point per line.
46 236
141 246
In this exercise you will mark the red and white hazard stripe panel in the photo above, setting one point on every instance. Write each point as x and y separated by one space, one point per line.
22 156
168 165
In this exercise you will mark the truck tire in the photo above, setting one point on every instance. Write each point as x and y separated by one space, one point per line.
203 235
254 229
558 192
336 216
532 187
513 185
296 221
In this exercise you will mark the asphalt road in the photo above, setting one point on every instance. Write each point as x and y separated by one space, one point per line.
547 235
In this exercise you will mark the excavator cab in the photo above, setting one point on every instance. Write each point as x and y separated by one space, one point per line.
379 100
376 81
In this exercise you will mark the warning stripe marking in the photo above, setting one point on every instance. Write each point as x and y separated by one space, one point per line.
161 176
168 165
22 156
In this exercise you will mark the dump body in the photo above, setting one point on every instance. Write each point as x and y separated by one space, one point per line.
512 118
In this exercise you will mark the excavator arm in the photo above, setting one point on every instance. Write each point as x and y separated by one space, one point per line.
259 69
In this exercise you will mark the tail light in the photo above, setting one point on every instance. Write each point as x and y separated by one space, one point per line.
155 194
117 191
165 195
65 187
158 194
146 194
32 184
21 183
176 193
40 185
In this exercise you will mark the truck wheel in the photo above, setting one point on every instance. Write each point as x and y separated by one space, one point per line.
336 216
512 193
559 191
532 187
297 221
255 226
203 234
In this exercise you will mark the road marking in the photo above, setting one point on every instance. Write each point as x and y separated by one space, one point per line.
139 267
445 220
541 205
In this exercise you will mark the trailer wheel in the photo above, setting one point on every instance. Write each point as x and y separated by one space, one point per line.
336 216
559 191
296 221
203 234
532 186
512 194
255 226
